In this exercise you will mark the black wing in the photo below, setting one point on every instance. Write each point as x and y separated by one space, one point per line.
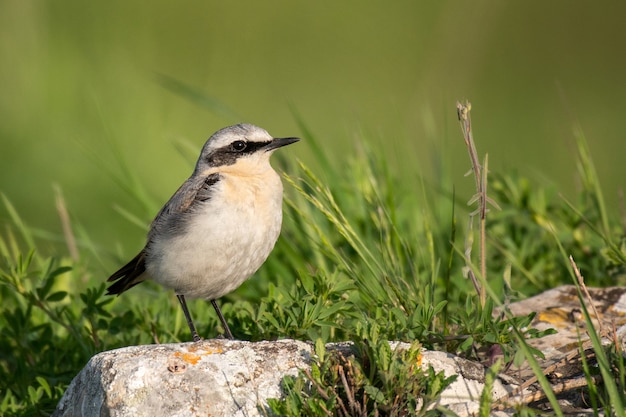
129 275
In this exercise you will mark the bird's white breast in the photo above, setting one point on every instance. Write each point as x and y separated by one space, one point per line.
226 239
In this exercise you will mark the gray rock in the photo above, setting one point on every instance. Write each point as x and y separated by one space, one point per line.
209 378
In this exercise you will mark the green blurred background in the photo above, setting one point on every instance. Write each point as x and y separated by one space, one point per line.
82 84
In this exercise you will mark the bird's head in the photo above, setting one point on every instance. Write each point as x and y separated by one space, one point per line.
242 146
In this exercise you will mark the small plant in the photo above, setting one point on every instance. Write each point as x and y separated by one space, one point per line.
50 329
369 378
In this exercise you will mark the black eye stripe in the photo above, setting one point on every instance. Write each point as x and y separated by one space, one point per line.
252 147
228 155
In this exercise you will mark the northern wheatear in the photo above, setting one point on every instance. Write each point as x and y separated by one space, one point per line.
219 227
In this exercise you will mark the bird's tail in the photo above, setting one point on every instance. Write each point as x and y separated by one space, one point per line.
128 276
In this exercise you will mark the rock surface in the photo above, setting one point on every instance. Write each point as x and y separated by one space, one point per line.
207 378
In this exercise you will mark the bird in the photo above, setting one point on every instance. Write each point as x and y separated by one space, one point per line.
219 227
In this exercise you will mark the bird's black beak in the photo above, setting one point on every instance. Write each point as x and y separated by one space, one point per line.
280 142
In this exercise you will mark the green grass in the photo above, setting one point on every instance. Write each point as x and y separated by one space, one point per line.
365 255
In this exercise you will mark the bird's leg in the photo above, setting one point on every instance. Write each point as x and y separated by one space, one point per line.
183 303
219 314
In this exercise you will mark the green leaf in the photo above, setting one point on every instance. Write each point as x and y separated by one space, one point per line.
57 296
44 384
320 349
375 393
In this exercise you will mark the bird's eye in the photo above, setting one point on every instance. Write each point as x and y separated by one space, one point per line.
238 145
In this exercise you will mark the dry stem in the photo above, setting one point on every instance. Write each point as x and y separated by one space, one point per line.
480 178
